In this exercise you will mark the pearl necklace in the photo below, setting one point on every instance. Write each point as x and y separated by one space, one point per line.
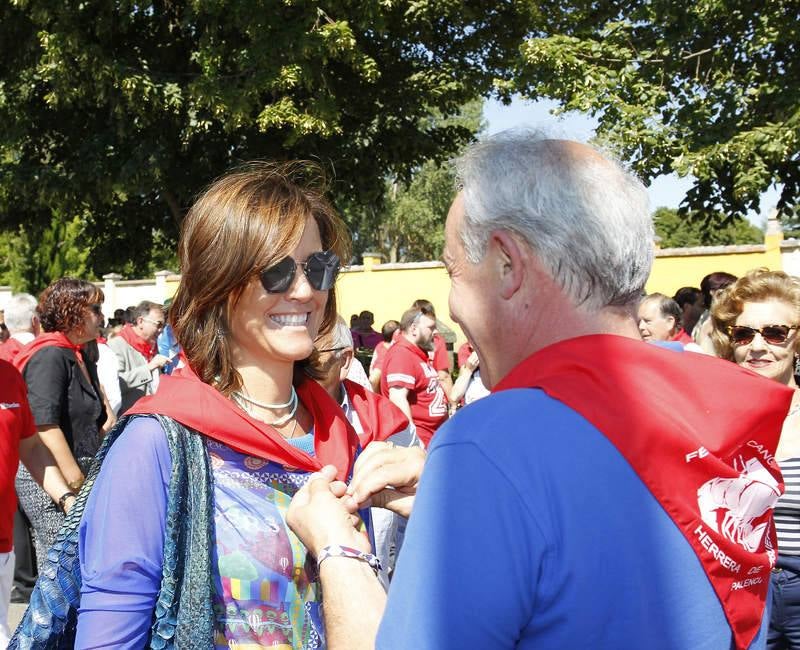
292 403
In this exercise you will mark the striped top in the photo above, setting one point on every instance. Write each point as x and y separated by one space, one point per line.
787 510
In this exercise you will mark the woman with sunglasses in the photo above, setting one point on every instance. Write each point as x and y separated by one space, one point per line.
183 540
65 397
756 323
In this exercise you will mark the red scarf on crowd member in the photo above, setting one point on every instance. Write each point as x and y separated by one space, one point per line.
698 431
379 417
141 345
195 404
682 337
10 349
58 339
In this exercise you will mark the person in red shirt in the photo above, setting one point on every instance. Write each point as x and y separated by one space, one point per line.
20 442
388 331
409 378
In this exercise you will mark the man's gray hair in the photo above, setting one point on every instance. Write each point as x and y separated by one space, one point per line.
341 336
19 312
587 219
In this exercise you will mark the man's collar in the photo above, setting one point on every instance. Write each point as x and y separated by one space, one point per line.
23 337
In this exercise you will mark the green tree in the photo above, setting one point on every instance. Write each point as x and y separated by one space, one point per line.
408 225
708 88
35 256
123 111
677 231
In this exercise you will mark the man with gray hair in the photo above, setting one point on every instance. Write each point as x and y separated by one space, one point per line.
562 510
138 361
22 322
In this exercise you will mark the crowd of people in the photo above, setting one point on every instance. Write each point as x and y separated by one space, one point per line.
222 471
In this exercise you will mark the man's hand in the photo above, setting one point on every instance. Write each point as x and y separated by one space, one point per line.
386 476
158 361
321 514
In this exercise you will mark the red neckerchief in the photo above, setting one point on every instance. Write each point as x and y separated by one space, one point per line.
141 345
699 432
379 417
682 337
185 398
58 339
10 349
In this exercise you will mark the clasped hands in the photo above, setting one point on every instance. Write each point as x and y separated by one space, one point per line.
325 511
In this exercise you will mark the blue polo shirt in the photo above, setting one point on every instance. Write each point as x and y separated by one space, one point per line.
530 530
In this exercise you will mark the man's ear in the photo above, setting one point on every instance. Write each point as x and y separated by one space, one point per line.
508 261
347 360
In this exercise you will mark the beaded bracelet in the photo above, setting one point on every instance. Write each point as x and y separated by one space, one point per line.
335 550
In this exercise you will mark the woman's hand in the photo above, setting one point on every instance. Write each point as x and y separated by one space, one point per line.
386 476
321 514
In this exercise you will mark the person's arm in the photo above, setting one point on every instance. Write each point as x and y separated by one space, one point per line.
53 438
107 376
375 379
121 540
111 416
47 377
131 375
399 397
38 460
354 597
463 379
446 382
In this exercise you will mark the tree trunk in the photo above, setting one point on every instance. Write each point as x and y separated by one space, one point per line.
172 202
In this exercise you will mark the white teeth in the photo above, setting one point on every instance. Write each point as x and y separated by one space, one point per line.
290 320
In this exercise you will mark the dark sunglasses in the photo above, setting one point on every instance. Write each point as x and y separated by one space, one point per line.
97 308
774 334
321 269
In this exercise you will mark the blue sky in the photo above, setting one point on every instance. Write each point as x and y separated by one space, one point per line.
664 191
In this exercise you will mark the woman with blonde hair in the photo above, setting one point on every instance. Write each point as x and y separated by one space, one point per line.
183 540
755 325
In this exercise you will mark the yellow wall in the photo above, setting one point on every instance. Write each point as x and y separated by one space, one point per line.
389 289
388 293
686 267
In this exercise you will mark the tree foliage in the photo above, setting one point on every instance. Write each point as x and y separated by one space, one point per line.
707 88
32 256
121 112
408 225
678 231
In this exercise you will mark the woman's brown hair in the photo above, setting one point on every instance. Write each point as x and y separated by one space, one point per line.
62 306
246 221
759 285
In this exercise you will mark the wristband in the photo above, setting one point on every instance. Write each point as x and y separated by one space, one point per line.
63 500
335 550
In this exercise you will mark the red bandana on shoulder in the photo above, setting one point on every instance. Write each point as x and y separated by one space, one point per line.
195 404
713 428
141 345
57 339
379 417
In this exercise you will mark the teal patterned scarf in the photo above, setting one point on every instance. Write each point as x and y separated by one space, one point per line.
183 615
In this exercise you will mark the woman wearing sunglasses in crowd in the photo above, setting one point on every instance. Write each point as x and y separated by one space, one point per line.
756 326
66 399
183 538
